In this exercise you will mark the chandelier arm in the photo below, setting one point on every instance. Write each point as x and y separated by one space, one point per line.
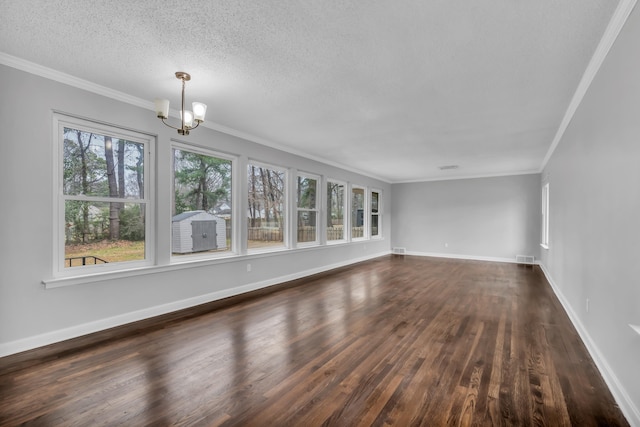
167 124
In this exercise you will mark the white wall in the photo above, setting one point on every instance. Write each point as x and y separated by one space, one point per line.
31 315
594 185
487 218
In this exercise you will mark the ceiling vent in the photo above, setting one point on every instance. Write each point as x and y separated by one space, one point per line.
448 167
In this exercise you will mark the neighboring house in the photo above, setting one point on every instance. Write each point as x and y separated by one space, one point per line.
197 231
222 209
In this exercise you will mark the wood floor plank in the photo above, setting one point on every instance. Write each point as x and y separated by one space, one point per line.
399 341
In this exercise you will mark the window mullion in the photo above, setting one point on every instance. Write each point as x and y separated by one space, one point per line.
90 199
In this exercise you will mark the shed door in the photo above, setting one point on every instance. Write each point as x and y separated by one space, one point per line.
203 234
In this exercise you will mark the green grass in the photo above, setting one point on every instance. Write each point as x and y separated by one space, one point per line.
108 250
124 250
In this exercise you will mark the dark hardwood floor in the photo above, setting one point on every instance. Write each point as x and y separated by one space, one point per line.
394 341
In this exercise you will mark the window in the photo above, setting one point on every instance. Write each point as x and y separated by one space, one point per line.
545 216
335 211
375 213
307 208
201 202
267 207
358 217
103 216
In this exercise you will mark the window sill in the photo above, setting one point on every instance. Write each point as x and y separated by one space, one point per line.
336 242
263 251
305 245
58 282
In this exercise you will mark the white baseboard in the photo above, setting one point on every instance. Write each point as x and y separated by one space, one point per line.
36 341
628 407
457 256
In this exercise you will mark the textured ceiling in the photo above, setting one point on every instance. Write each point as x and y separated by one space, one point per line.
393 88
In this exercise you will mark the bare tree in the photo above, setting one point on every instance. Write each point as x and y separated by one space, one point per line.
139 175
114 207
82 149
266 183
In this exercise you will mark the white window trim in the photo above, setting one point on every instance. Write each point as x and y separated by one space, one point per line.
545 216
346 233
319 229
60 121
378 214
365 214
234 250
159 258
286 238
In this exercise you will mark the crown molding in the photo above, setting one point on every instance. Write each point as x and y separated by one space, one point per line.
60 77
478 176
610 35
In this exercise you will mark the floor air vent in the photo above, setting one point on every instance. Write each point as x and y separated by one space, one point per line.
399 251
525 259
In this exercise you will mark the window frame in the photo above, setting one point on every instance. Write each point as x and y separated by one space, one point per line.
286 204
61 121
345 211
545 217
365 213
233 249
378 214
316 210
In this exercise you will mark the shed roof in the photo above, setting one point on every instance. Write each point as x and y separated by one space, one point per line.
185 215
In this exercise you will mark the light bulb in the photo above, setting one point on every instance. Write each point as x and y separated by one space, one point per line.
188 118
199 111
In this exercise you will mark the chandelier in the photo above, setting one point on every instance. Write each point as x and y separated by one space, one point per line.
187 117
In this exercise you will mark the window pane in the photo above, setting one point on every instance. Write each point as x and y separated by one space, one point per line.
545 215
306 196
201 220
266 189
374 201
102 166
307 226
357 212
335 209
99 233
374 225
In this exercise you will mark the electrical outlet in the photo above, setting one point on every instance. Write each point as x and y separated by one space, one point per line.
248 267
587 305
446 245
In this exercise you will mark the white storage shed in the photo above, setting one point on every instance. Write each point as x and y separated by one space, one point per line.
197 231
